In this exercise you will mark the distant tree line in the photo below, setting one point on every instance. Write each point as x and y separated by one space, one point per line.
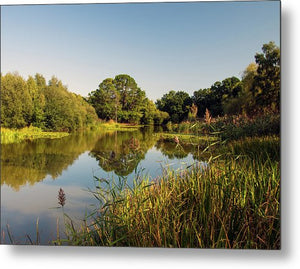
259 89
48 106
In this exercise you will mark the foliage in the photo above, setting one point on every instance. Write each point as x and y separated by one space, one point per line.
176 104
216 96
27 133
122 100
50 107
266 86
105 100
16 102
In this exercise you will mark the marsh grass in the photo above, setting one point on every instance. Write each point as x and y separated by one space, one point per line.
113 126
233 203
28 133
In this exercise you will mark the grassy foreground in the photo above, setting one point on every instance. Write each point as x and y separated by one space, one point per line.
233 203
28 133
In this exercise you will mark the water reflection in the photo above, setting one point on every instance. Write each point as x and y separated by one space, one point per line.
32 172
120 152
30 162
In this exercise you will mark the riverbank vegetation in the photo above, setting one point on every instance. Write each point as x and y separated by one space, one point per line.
51 106
27 133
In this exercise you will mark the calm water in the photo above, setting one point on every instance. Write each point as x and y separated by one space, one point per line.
32 173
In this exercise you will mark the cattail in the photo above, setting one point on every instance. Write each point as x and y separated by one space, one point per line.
61 197
176 139
207 117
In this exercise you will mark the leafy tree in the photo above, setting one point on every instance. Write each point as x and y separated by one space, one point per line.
203 99
217 96
266 86
122 100
16 102
106 100
129 91
176 104
151 115
244 102
38 101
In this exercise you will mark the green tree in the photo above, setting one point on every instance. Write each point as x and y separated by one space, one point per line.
176 104
129 91
244 102
106 100
266 86
122 100
16 102
38 101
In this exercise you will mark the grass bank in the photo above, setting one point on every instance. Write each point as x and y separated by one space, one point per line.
185 138
113 126
233 203
28 133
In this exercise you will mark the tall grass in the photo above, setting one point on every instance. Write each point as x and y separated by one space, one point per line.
231 127
113 126
28 133
234 203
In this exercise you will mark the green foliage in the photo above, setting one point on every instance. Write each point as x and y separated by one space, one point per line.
266 86
122 100
105 100
16 102
216 96
50 107
9 136
176 104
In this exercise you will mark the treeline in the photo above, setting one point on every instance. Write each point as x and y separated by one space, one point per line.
47 106
52 107
258 90
120 99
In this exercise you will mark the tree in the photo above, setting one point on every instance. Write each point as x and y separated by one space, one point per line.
128 90
151 115
176 104
203 99
105 100
38 101
217 96
16 102
122 100
266 86
244 102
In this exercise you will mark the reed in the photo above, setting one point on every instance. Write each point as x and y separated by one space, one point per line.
233 203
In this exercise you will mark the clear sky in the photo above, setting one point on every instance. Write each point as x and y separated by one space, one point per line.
163 46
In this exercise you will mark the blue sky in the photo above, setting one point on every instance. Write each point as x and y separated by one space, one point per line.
163 46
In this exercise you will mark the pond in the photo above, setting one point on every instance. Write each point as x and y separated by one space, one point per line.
32 173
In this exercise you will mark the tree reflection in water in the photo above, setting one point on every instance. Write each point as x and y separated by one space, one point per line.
120 152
